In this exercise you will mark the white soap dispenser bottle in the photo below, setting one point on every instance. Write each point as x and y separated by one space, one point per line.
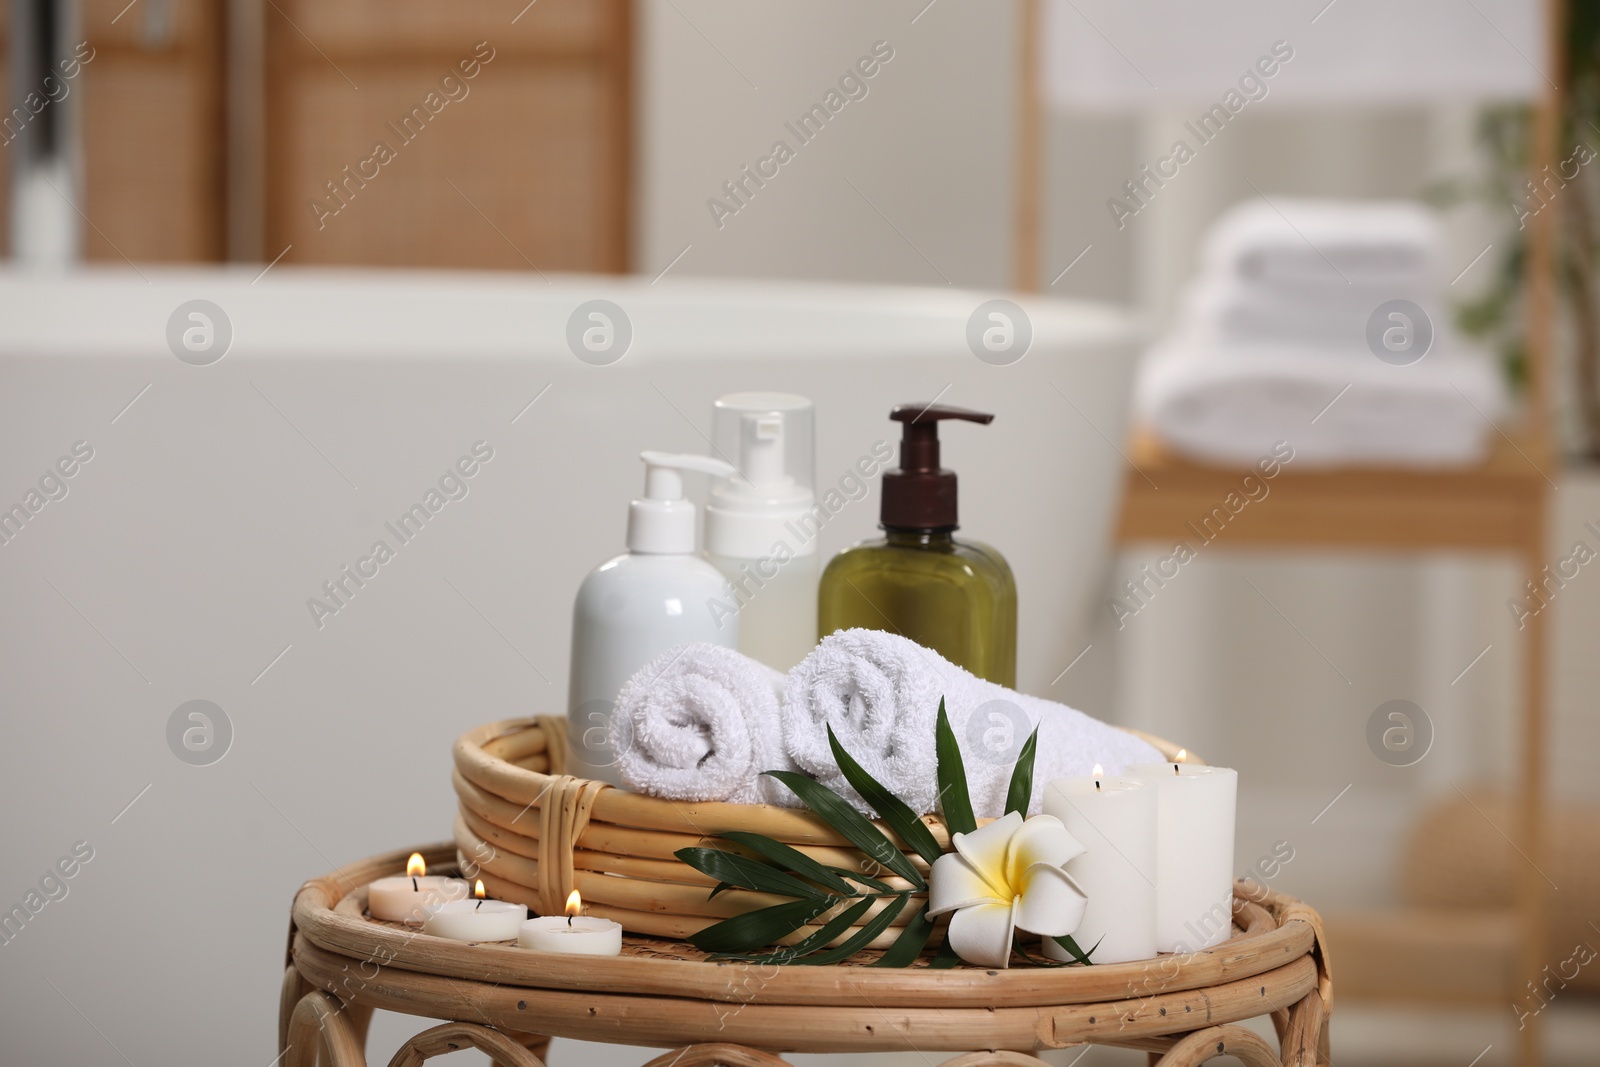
761 524
636 606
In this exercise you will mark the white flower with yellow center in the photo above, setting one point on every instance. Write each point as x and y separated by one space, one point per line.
1003 877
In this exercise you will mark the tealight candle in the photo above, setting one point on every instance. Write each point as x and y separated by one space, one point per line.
475 920
1194 852
1115 819
582 935
404 900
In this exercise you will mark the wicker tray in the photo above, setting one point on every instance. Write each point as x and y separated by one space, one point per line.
533 834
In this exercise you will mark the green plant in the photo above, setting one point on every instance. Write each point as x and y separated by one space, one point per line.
1571 186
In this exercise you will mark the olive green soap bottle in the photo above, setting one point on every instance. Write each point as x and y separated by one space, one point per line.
956 597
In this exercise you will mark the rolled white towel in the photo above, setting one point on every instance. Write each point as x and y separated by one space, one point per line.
700 722
880 692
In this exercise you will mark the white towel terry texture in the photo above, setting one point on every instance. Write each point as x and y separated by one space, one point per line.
880 692
701 723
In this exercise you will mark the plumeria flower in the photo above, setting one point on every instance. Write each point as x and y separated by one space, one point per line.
1003 877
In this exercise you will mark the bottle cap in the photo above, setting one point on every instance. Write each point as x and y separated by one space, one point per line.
919 494
662 522
768 438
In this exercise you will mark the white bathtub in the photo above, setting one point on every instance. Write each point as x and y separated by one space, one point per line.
220 498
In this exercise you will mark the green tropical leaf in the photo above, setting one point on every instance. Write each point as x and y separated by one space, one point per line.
811 942
854 827
890 808
882 887
759 928
790 858
1021 790
746 873
875 926
1072 949
954 801
909 945
946 957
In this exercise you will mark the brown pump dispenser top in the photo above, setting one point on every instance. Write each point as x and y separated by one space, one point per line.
919 494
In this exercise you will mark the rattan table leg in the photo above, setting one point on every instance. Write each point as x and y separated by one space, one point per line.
1304 1039
538 1044
718 1054
319 1022
294 987
993 1059
451 1037
1236 1041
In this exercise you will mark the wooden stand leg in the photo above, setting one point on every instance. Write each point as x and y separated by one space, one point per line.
1530 811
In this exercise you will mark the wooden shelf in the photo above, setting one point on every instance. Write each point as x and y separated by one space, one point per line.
1167 497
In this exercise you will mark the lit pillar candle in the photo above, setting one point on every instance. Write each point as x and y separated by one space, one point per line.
1194 852
403 900
475 920
1115 819
581 934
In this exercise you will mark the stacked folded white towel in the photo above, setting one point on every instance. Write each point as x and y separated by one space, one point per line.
1271 344
702 723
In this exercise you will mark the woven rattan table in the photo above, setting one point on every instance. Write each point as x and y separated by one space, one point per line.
661 993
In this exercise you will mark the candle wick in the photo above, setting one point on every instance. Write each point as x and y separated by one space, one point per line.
1097 785
569 920
480 904
414 887
1174 768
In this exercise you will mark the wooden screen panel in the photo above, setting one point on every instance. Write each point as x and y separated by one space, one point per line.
153 134
523 165
394 28
5 150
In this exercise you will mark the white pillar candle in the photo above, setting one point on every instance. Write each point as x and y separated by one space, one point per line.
585 935
1115 820
475 920
1194 853
404 900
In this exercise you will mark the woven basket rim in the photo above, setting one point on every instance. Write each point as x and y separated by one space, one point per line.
623 808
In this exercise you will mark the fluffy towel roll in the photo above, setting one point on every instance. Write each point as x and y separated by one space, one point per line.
700 722
880 692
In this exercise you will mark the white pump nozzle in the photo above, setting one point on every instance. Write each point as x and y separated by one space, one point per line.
662 521
763 443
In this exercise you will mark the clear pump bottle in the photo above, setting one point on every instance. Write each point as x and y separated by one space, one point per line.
755 528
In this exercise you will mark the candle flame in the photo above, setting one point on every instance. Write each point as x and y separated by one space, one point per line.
574 904
1183 756
415 867
1099 772
477 890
